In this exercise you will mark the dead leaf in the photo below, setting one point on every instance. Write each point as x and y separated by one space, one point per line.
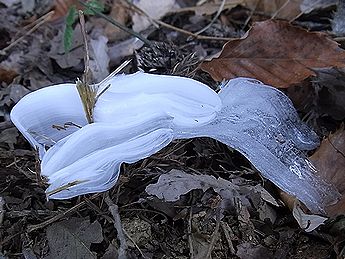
17 92
9 136
120 14
7 75
265 195
139 230
61 8
288 199
307 222
281 9
9 3
100 61
111 252
331 94
308 6
73 57
123 49
248 250
276 53
329 159
155 9
72 238
172 185
338 22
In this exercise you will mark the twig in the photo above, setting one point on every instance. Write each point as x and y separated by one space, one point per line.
190 239
41 20
135 244
87 72
227 233
2 210
65 187
215 234
339 39
117 24
110 76
199 37
57 217
169 26
114 210
221 7
280 8
250 15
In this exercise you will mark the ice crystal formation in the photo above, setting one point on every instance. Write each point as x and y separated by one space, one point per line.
140 114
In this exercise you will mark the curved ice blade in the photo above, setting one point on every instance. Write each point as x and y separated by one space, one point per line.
261 123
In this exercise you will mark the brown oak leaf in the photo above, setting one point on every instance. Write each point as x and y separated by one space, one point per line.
329 160
276 53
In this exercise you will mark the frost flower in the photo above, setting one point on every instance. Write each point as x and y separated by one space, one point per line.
139 114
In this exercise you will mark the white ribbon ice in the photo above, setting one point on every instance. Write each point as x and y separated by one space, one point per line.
139 114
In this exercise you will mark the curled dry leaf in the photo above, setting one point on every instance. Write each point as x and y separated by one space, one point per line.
329 159
176 183
276 53
306 221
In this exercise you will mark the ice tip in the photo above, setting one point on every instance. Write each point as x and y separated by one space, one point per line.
226 82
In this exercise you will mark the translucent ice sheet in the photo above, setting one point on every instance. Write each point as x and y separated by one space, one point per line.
140 114
261 123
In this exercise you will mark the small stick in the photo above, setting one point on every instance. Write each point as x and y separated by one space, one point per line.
226 230
114 210
135 244
169 26
44 224
190 239
198 37
221 7
65 187
86 47
41 20
215 234
2 210
87 91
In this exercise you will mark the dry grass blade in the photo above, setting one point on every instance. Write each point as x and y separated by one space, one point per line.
88 95
276 53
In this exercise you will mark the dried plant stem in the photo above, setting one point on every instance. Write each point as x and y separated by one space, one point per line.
87 91
190 238
221 7
44 224
36 24
2 210
215 234
114 210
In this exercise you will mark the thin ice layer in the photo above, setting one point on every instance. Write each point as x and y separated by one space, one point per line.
140 114
98 136
41 115
260 122
189 102
99 171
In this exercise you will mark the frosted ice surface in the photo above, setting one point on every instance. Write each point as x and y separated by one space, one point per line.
260 122
140 114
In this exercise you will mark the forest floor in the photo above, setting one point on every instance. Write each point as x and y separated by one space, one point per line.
33 55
